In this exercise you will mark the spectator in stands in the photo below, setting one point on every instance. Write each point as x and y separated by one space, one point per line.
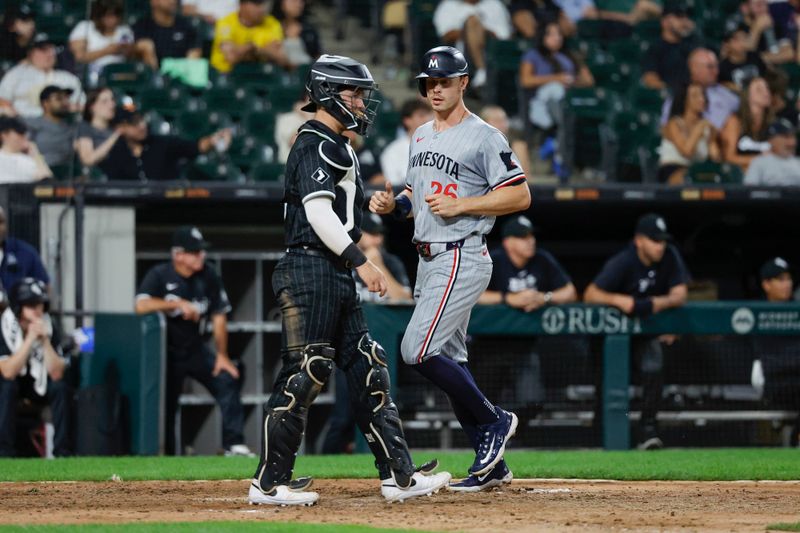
630 12
18 259
738 63
525 276
496 116
394 158
471 22
300 39
773 43
248 35
371 243
53 132
546 72
779 166
647 277
574 11
688 137
287 124
664 64
20 159
703 70
96 137
165 34
32 366
744 135
19 27
777 369
209 10
21 86
137 155
103 39
191 295
529 15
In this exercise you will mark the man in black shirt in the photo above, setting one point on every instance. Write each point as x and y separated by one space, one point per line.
323 321
664 64
398 287
137 155
191 295
165 34
645 278
525 276
739 64
31 365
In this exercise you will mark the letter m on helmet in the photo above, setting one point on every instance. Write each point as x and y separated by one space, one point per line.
434 62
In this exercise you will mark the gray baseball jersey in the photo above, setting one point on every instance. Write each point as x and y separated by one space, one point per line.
469 159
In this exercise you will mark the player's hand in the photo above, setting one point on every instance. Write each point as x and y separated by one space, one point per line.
535 301
625 304
188 310
223 363
382 202
372 277
442 205
37 330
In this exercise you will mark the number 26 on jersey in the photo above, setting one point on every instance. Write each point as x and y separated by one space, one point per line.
451 189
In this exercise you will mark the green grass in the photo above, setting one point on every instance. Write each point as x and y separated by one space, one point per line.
683 464
200 527
784 527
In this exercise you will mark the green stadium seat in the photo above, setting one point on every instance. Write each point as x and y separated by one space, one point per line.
792 70
645 99
167 101
197 124
247 151
647 30
282 97
423 33
627 50
131 78
256 76
261 125
591 29
584 109
628 138
268 172
210 168
710 172
502 60
157 124
614 76
235 101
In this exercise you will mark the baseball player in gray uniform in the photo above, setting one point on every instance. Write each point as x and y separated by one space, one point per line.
461 175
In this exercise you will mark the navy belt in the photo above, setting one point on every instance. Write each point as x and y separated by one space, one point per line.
424 248
318 252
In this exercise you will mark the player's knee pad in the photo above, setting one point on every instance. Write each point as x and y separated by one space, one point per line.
376 413
285 421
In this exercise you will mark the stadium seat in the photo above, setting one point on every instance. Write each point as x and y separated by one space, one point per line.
502 61
131 78
261 125
628 139
234 101
256 76
423 33
282 97
167 101
197 124
613 75
647 30
268 172
710 172
584 109
157 124
211 168
645 99
247 151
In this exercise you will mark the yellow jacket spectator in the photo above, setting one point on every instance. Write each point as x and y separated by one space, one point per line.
246 35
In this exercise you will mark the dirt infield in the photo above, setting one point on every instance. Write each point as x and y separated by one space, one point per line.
527 505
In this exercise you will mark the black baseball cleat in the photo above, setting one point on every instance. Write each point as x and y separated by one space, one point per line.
493 442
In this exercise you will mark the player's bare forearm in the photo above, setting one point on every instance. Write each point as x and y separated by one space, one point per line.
596 295
155 305
54 364
676 298
12 366
564 295
490 298
500 202
220 328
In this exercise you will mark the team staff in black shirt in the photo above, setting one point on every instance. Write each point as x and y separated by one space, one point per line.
646 277
191 294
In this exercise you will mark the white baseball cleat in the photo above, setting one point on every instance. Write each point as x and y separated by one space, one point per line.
280 495
421 485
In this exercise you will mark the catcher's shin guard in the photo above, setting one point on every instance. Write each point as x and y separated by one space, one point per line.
376 414
285 419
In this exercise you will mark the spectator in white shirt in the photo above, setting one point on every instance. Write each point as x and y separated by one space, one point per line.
103 39
209 10
20 160
780 166
22 85
394 158
471 22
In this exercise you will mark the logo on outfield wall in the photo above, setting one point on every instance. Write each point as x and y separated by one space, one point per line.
590 320
743 321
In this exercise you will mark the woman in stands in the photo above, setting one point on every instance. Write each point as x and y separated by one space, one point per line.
687 137
103 39
301 40
546 72
744 135
95 136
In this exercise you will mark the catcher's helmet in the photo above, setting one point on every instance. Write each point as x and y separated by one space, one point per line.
331 74
441 62
27 291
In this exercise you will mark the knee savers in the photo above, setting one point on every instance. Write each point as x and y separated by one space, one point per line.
376 414
285 421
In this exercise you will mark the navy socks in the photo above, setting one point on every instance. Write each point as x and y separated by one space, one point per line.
458 384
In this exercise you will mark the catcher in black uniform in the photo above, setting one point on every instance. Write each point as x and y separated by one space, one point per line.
323 322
